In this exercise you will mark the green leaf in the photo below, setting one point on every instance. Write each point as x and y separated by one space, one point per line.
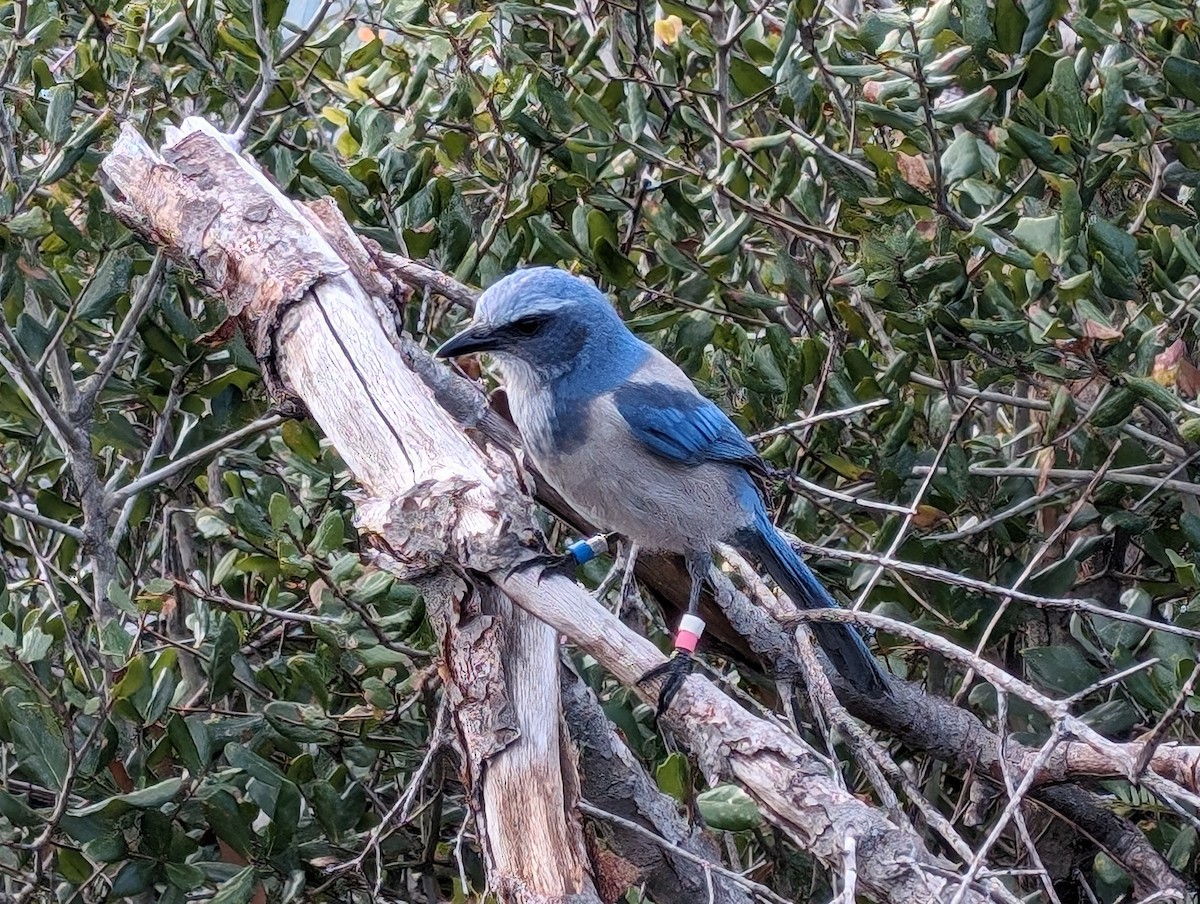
73 866
300 439
725 239
35 645
134 877
1040 13
327 805
551 241
184 875
367 53
1039 234
110 282
1061 668
334 174
41 754
1181 125
728 808
1186 572
615 266
250 521
242 757
236 890
58 112
1066 100
285 817
330 535
32 336
672 776
229 823
137 675
966 109
300 723
747 78
977 30
1114 408
149 798
1152 391
17 811
1183 848
962 159
33 223
1115 244
635 109
180 734
1038 148
220 667
1011 26
1184 76
108 847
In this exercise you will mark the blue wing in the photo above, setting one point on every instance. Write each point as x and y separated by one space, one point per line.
684 426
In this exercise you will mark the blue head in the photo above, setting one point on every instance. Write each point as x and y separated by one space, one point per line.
543 322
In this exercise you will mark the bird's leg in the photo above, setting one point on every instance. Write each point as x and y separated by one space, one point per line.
624 549
676 669
629 588
624 565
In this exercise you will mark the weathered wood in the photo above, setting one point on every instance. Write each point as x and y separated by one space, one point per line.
435 500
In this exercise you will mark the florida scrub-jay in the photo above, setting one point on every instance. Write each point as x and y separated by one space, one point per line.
624 436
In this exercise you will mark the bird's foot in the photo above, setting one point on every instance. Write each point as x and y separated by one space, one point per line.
673 672
563 564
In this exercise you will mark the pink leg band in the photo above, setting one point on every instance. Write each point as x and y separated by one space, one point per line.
688 635
686 640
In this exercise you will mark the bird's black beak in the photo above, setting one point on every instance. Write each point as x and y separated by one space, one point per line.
477 337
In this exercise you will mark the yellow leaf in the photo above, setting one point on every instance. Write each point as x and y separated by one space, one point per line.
668 30
346 144
335 116
356 88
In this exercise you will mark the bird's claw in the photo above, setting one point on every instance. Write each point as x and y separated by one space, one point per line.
674 672
563 564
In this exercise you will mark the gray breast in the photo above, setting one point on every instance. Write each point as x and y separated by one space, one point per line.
619 485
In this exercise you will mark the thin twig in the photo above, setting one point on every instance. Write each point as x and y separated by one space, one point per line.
1129 477
40 520
840 414
118 497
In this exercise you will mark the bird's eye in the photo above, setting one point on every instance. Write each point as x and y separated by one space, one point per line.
528 326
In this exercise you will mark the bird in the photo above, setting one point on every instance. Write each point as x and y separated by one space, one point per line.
627 440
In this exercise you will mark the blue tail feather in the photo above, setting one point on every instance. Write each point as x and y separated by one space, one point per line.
841 642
